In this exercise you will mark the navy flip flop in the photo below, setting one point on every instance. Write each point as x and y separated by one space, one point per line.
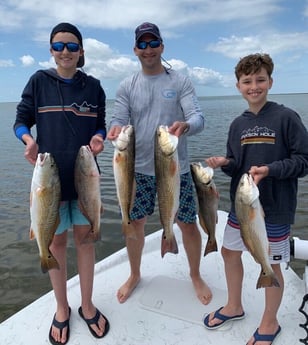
224 319
266 337
60 326
94 321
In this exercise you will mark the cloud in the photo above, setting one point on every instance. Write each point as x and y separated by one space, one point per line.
6 63
109 14
236 47
27 60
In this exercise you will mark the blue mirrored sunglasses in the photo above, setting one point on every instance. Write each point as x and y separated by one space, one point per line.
70 46
152 44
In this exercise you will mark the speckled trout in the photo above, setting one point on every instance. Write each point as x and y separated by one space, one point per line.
87 184
167 174
45 199
208 198
124 170
250 216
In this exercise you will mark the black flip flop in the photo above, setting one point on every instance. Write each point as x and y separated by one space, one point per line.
94 321
60 326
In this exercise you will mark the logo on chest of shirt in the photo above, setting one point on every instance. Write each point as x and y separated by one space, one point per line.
84 109
258 135
169 93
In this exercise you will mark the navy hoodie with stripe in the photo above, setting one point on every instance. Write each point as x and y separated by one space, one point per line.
277 138
66 115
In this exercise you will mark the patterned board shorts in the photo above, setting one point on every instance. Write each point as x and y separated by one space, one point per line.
146 193
278 237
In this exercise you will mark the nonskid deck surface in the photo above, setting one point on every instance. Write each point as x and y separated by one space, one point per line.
163 309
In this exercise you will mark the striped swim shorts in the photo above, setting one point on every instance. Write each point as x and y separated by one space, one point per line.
278 237
144 203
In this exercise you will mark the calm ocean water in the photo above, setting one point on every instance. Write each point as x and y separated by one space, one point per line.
21 280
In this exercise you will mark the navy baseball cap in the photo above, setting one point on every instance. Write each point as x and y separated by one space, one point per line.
67 27
147 28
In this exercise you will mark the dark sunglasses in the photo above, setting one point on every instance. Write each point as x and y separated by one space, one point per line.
70 46
152 44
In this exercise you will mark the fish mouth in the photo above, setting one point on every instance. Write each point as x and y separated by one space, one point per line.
167 142
122 141
42 157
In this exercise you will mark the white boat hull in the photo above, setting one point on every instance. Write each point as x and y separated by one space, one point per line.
163 309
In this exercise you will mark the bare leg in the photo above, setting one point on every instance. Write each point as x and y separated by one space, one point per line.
273 296
86 262
234 276
192 244
134 249
58 281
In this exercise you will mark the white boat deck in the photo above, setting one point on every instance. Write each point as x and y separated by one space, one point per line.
163 309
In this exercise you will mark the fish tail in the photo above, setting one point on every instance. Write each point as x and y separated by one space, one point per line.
267 280
48 263
93 235
168 245
211 246
129 230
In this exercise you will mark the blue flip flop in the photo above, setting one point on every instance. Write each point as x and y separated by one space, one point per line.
224 319
265 337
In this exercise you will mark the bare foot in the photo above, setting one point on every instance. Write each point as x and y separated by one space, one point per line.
203 291
127 288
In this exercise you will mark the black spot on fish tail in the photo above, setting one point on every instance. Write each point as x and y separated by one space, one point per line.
48 263
129 230
211 246
168 245
267 280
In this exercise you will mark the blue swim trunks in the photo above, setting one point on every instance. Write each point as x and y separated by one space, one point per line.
70 214
144 203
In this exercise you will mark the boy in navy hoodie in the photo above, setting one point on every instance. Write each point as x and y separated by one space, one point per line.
270 142
68 108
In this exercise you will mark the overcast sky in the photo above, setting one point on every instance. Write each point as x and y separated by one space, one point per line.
203 38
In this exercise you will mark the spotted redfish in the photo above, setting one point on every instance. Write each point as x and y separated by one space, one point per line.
167 174
124 170
45 199
250 215
87 184
208 198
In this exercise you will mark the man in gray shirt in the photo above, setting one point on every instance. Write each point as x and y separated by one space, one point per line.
156 96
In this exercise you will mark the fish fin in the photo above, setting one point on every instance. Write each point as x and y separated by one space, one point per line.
168 245
133 195
49 263
94 173
173 167
211 246
129 230
267 280
252 214
41 191
31 234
